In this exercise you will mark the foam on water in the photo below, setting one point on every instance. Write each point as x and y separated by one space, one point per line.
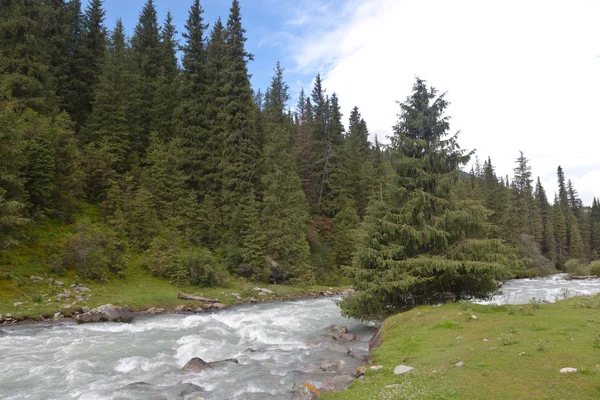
97 361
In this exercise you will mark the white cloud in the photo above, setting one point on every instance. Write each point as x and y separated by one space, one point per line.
520 75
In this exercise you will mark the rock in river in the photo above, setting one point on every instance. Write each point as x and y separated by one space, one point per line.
105 313
197 364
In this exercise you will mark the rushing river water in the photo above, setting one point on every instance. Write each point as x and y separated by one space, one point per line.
275 344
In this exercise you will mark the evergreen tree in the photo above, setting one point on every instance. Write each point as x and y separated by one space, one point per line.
26 78
595 228
285 209
419 243
560 232
108 136
148 57
303 143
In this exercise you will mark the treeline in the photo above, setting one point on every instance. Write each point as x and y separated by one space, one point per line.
559 231
184 162
185 166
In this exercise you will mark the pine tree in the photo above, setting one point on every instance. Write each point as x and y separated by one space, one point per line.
560 232
240 158
303 143
108 136
595 228
285 209
147 55
24 61
419 243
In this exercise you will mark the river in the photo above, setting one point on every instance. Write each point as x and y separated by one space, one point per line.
277 346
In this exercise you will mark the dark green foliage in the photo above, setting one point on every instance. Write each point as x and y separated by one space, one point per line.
25 76
170 256
94 252
418 242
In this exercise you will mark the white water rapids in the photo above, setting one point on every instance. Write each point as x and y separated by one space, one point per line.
98 361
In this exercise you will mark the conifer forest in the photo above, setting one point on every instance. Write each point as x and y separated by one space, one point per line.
159 155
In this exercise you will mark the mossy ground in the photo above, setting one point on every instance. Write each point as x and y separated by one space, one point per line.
509 352
137 290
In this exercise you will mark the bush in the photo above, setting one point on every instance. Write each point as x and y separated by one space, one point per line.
594 268
94 252
170 256
575 267
531 250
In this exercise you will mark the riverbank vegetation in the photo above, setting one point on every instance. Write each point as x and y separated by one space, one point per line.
151 156
469 351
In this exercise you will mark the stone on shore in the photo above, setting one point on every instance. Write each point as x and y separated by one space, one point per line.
402 369
337 383
105 313
306 392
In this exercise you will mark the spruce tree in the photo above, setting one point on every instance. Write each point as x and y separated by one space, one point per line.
285 209
303 143
595 228
24 60
421 245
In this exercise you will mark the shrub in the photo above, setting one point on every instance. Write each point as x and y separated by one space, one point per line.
170 256
575 267
95 252
594 268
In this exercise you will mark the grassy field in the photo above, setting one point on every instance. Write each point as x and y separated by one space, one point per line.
509 352
138 291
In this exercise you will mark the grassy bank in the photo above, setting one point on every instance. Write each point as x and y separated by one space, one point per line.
138 290
509 352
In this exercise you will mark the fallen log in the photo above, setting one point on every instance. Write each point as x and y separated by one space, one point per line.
197 298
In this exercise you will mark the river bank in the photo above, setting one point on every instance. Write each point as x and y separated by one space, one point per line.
33 298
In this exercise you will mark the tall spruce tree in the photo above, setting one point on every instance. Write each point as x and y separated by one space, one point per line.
285 209
421 245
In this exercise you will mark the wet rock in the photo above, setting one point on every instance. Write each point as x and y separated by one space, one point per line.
337 383
180 308
330 337
197 364
306 392
348 337
154 310
341 329
2 333
106 313
376 340
221 363
339 348
328 366
402 369
183 390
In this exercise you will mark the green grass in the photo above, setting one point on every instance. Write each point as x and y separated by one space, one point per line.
506 355
138 290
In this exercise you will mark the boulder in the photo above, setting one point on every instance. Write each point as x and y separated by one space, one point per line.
306 391
183 390
216 364
105 313
375 340
348 337
328 366
217 306
402 369
341 329
360 371
2 333
180 308
197 364
337 383
58 316
339 349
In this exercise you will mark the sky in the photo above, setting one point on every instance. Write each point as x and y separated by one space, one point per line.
521 75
